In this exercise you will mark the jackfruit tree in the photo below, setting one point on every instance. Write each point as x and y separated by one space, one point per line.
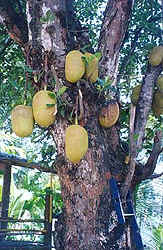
77 60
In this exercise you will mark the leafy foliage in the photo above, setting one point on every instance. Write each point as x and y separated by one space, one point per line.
158 236
149 202
12 80
143 34
90 13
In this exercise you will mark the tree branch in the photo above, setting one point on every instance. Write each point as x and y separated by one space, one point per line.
132 154
128 56
142 110
154 176
77 35
17 161
137 33
143 172
152 160
15 22
144 103
115 22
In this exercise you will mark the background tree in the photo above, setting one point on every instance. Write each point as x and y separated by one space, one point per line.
148 198
46 31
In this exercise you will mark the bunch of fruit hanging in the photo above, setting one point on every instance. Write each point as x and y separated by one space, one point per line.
44 107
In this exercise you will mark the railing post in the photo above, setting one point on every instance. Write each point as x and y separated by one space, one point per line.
48 220
5 196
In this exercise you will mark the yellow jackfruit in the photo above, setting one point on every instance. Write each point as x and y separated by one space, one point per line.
76 143
156 56
135 94
22 120
44 108
160 83
74 66
109 115
91 70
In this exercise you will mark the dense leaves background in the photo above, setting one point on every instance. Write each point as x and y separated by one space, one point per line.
144 32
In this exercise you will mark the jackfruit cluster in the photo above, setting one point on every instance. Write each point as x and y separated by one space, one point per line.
43 112
78 65
44 108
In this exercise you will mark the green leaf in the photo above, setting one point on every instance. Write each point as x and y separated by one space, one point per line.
28 69
85 48
50 105
61 91
85 60
43 19
48 17
62 112
20 64
51 17
101 81
98 55
135 137
52 95
48 13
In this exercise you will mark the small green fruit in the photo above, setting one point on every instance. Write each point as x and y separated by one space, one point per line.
135 94
156 56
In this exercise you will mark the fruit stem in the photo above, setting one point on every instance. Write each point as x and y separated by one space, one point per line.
76 110
76 120
45 87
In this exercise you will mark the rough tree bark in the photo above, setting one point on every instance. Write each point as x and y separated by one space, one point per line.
89 221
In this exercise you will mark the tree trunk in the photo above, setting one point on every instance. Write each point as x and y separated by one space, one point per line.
86 192
90 221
